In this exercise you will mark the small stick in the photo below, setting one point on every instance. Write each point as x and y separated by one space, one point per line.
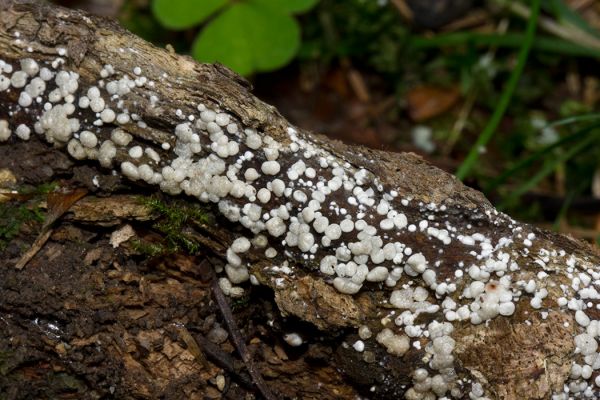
223 360
238 341
58 204
403 9
40 241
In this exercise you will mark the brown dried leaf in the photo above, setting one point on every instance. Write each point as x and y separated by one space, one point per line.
60 202
426 101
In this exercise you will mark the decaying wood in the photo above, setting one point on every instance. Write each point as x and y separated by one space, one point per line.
527 355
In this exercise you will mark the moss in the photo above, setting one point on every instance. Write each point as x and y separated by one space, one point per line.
5 356
177 211
24 210
12 218
149 249
174 216
67 383
240 303
40 190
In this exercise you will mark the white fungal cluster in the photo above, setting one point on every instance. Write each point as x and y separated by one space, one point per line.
298 201
440 380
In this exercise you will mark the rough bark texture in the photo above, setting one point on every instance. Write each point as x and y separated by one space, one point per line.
86 320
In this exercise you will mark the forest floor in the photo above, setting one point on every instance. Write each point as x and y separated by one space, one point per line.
120 317
108 308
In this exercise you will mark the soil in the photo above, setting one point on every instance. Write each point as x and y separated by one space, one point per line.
87 320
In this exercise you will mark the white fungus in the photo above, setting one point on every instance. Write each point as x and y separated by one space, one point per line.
107 115
88 139
270 167
18 79
293 339
5 131
136 152
395 344
29 66
346 286
120 137
23 132
240 245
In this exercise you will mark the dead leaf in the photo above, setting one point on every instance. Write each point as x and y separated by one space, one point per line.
58 204
426 101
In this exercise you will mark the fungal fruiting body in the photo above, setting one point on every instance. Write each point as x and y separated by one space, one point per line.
297 200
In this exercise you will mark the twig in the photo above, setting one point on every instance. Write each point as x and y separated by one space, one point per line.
222 360
34 249
238 341
358 85
580 5
568 32
58 204
467 107
473 19
460 122
403 9
356 81
199 346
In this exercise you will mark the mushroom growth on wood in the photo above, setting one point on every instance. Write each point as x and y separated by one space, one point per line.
417 266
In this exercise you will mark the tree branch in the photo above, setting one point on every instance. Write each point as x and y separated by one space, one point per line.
442 294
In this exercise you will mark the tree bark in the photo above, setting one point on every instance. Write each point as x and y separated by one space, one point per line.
91 321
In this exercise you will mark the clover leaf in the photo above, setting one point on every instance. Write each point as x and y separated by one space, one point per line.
183 14
246 35
289 6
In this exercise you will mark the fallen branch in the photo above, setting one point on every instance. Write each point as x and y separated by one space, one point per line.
433 291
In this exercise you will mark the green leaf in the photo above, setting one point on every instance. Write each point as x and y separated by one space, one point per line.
248 37
182 14
288 6
226 40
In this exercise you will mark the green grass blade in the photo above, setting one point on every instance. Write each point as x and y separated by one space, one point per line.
563 211
509 90
574 119
543 43
566 15
548 168
567 204
526 162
